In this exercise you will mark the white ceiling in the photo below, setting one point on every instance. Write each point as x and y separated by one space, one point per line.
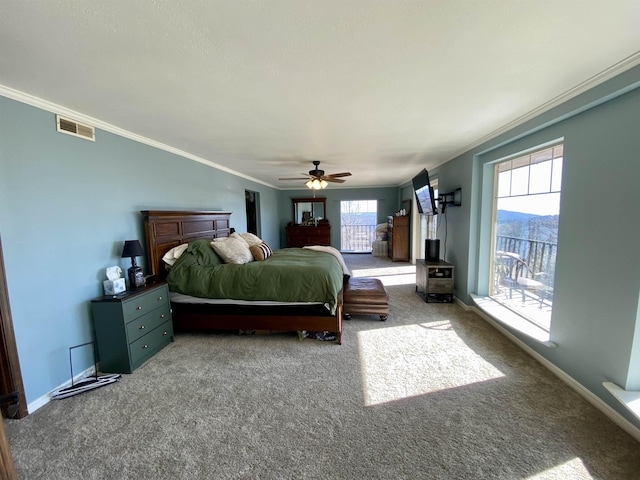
378 88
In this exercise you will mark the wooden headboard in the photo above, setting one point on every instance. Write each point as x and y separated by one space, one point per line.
167 229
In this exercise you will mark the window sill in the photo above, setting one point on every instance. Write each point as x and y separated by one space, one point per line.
506 317
630 399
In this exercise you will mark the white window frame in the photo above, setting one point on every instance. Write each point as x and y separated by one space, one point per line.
529 158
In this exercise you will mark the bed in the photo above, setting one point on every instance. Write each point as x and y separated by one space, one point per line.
165 230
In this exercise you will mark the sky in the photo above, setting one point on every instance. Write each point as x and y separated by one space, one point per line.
541 204
527 189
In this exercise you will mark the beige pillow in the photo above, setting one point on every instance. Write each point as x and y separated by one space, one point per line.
260 252
250 238
172 255
235 235
232 250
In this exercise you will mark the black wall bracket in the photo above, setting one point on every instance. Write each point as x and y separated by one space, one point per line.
450 199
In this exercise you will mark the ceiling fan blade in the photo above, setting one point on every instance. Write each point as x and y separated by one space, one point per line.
318 174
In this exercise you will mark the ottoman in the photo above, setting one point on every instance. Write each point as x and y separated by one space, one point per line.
365 295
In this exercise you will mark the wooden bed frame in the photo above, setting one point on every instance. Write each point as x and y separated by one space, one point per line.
167 229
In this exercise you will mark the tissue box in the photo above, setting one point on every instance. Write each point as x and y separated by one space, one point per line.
114 287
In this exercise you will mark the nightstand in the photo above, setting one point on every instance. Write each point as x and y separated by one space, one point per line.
132 327
434 281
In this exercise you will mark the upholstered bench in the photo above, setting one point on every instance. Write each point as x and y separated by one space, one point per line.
365 296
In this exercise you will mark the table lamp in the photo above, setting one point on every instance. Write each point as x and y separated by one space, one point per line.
133 249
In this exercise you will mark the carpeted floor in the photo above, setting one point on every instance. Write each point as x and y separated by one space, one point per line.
432 393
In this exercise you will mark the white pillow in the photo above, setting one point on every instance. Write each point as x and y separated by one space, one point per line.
172 255
250 238
232 250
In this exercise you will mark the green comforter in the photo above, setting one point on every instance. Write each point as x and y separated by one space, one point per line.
289 275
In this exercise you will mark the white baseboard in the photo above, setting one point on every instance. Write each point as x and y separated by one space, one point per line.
46 398
583 391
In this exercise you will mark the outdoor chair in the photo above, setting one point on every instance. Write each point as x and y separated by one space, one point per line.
513 273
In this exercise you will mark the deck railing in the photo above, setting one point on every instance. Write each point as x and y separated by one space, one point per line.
540 257
357 238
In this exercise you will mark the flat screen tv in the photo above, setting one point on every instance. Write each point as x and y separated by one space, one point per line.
424 194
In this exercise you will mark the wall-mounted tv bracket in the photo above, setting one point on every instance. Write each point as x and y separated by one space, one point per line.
451 199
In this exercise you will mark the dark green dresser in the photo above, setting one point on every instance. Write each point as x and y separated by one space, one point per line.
132 327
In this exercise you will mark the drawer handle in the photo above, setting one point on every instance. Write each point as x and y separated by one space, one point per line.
144 346
138 308
141 327
162 315
159 298
164 333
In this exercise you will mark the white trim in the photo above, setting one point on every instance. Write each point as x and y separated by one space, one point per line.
629 398
46 398
584 392
58 109
620 67
597 79
107 127
504 316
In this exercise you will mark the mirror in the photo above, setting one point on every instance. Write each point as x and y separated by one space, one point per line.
308 211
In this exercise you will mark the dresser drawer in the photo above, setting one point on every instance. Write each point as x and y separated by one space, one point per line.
132 327
440 286
141 304
150 343
144 324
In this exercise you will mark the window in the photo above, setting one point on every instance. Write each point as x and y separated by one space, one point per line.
525 234
358 225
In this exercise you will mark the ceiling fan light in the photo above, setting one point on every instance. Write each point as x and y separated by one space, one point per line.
309 184
316 184
323 184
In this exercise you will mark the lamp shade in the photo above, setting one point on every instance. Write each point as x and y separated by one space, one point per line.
316 184
132 248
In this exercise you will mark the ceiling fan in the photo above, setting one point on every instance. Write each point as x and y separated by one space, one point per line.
316 179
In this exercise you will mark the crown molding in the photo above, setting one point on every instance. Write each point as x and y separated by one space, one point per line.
611 72
107 127
620 67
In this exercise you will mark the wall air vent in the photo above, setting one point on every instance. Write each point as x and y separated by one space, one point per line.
71 127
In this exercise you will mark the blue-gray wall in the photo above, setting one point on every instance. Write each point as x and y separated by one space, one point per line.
595 321
67 205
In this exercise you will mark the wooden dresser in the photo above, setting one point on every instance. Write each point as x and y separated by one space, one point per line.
398 230
304 235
